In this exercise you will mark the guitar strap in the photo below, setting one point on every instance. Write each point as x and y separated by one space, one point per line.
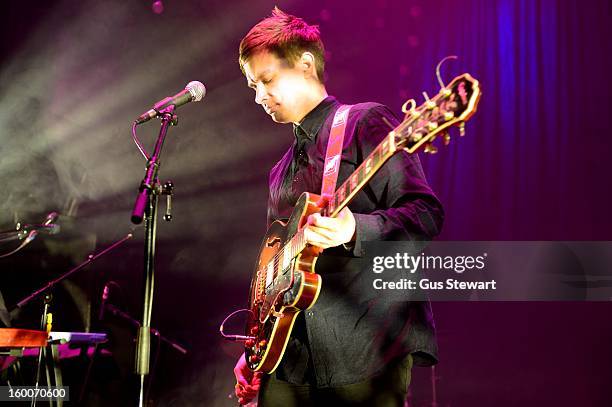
334 152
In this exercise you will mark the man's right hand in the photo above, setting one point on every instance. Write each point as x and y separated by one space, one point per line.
247 381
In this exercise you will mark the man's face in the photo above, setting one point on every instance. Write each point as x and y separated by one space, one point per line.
279 88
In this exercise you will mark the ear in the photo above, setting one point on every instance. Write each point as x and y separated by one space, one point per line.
307 64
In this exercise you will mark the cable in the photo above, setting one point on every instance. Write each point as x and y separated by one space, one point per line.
235 337
23 244
155 359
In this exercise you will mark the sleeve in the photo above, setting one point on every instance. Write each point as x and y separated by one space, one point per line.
405 206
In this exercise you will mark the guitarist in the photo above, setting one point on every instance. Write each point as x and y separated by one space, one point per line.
353 347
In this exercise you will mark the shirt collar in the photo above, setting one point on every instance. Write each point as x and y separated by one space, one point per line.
312 122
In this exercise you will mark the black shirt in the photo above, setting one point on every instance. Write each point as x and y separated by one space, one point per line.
352 332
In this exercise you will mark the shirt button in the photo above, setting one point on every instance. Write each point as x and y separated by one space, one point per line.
309 313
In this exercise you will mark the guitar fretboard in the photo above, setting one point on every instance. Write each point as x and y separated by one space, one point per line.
360 176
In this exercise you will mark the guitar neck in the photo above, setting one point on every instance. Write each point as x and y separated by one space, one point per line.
353 184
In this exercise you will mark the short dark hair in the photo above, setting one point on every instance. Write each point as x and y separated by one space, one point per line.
287 36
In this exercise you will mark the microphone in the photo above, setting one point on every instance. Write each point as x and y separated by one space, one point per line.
193 92
103 302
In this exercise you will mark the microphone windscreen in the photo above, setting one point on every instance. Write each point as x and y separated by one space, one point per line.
197 90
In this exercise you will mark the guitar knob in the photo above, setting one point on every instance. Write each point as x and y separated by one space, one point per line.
249 343
253 358
254 330
263 343
431 149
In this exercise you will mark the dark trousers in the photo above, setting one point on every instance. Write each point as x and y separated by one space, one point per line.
388 389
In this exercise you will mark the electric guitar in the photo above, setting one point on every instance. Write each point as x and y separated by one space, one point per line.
284 282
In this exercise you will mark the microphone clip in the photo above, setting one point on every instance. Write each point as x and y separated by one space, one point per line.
168 112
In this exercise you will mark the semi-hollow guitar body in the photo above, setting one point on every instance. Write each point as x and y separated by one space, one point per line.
288 286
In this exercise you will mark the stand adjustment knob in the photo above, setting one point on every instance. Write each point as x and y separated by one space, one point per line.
167 190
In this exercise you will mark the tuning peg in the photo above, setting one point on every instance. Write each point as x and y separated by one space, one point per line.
448 115
432 126
430 103
405 108
431 149
412 110
416 137
462 129
446 138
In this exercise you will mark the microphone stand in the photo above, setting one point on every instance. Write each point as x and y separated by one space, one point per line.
146 207
90 259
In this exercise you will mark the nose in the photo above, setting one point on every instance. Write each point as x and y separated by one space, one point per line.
261 95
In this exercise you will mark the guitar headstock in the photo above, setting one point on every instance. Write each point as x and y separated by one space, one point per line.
452 106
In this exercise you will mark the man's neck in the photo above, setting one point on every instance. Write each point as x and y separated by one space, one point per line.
317 97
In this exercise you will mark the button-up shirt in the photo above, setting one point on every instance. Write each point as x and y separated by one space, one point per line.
352 332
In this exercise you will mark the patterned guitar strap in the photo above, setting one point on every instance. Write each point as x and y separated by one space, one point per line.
334 152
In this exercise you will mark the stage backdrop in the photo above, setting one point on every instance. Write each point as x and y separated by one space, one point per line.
532 166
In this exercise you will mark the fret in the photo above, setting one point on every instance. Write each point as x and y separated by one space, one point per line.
377 156
353 182
368 166
301 242
269 274
295 242
360 174
342 193
384 147
287 256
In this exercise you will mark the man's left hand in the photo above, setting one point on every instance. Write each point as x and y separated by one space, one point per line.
327 232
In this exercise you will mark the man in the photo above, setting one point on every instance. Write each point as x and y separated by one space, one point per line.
353 347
